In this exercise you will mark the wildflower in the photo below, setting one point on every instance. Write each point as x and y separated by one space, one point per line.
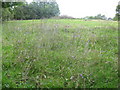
81 76
71 77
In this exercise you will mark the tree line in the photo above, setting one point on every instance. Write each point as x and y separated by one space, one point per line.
25 11
99 16
39 10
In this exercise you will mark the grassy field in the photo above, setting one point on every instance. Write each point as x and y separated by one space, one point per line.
62 53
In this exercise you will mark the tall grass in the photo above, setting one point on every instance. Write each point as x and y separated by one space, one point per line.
0 55
60 53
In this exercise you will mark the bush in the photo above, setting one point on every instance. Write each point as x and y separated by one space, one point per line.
66 17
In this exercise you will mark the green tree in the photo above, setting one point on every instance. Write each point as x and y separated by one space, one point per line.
11 4
37 10
99 16
117 15
7 14
8 9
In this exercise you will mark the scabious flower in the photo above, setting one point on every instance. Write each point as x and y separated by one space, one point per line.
81 76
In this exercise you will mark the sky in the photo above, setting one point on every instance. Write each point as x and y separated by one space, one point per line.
82 8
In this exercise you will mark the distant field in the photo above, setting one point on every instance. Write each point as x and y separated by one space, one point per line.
62 53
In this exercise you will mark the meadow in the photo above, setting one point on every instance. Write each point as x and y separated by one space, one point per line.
59 53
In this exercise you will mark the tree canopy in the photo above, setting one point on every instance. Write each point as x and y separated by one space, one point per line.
10 4
117 15
99 16
34 10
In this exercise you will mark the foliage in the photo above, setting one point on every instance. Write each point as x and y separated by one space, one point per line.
7 9
117 15
34 10
10 4
37 10
66 17
7 14
99 16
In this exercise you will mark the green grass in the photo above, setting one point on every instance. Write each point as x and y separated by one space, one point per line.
60 54
0 55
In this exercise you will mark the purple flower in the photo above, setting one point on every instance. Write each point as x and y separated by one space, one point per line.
81 75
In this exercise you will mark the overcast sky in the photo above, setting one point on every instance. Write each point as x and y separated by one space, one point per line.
82 8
